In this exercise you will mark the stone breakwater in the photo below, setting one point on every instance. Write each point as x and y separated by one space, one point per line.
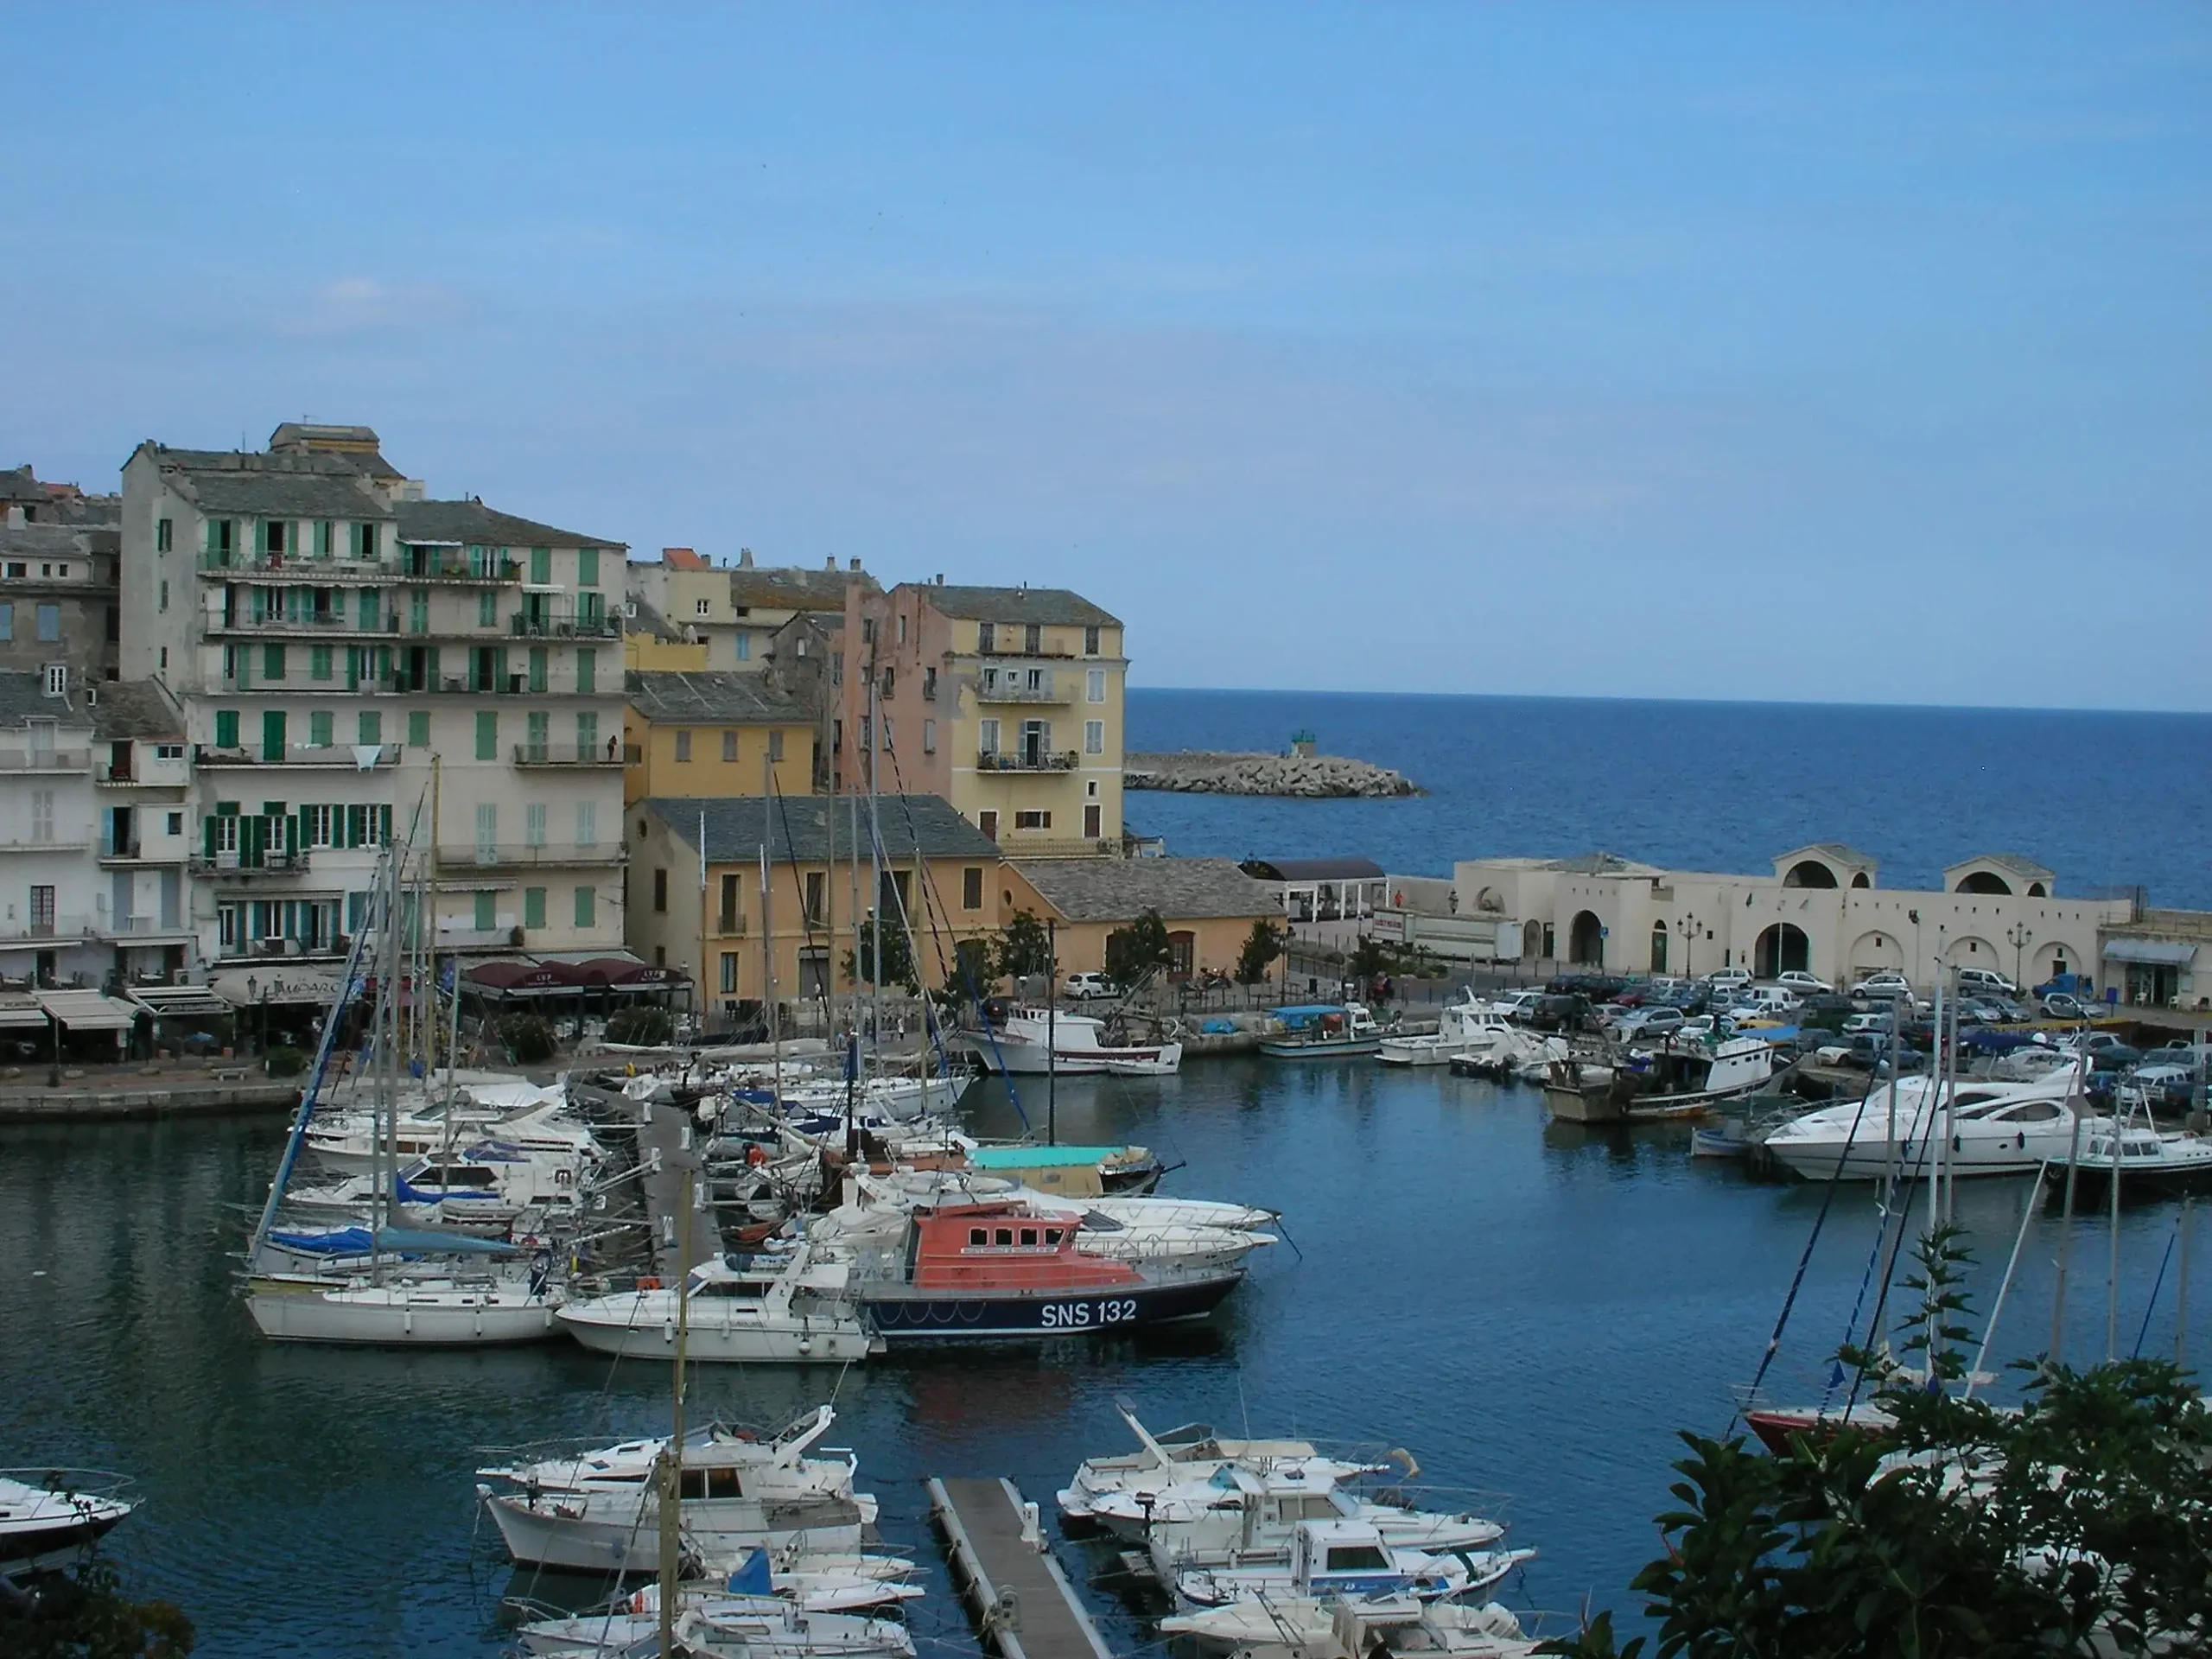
1195 772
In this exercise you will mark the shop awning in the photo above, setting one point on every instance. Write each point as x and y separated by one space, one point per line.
178 1002
2162 953
242 988
89 1010
20 1013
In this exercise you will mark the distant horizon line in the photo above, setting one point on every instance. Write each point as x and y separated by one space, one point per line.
1713 703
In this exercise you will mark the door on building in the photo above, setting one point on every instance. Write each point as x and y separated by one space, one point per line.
42 912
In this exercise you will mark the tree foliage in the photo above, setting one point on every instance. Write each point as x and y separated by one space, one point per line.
973 970
84 1615
898 958
1023 948
1369 958
529 1040
1133 951
1263 946
2079 1523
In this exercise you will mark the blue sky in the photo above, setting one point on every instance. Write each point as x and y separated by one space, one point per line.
1838 353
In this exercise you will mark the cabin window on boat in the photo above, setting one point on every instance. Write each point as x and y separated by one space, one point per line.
1051 1235
1355 1558
723 1483
1029 1236
694 1484
1005 1236
978 1235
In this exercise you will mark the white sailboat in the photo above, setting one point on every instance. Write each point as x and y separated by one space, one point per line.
51 1518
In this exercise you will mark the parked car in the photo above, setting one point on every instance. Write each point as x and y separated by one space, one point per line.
1978 1011
1774 998
1644 1024
1561 1012
1885 984
1517 1006
1803 983
2063 1005
2114 1057
1729 979
1974 980
1853 1024
1874 1052
1081 988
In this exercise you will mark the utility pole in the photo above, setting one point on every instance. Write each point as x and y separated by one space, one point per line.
1052 1032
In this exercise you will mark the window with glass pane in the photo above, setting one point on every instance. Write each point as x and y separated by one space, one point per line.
487 831
729 745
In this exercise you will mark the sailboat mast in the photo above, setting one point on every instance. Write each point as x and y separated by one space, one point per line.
875 870
2112 1264
2077 1099
671 1494
768 931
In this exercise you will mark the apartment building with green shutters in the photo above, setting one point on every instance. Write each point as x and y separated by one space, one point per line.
357 661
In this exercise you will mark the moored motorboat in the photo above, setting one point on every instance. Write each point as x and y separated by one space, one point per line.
1349 1559
791 1307
1244 1513
2149 1162
1029 1042
1342 1627
1687 1077
1192 1452
1320 1030
51 1518
1992 1128
1470 1029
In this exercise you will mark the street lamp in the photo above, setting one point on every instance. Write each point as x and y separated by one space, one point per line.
252 991
1689 926
2020 936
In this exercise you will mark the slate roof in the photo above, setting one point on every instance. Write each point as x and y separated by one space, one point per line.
1119 889
1313 869
283 495
136 708
20 483
794 588
797 828
40 540
22 696
471 521
1043 605
667 697
1599 863
640 617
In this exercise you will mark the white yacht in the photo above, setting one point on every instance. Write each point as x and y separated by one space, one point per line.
439 1310
1341 1627
1241 1514
1027 1042
1469 1029
808 1587
51 1518
1995 1128
2148 1161
793 1307
598 1511
1192 1452
1349 1559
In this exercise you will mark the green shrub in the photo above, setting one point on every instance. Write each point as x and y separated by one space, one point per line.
529 1038
646 1027
285 1061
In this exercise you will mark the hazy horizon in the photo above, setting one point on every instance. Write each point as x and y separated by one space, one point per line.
1848 356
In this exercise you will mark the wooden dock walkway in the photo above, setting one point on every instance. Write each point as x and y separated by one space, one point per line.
671 1131
1023 1602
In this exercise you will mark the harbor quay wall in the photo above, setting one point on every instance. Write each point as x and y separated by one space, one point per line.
1201 772
83 1102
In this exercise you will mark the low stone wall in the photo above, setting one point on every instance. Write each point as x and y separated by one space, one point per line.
1198 771
197 1099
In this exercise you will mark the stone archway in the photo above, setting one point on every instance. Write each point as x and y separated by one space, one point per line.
1983 881
1809 873
1585 940
1874 952
1532 940
1659 947
1782 949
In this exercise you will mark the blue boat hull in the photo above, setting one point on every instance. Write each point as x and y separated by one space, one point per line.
903 1318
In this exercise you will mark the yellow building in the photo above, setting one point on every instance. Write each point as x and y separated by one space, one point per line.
705 917
728 612
1208 904
1005 700
712 735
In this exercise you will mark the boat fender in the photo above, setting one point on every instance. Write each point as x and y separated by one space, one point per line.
756 1155
648 1284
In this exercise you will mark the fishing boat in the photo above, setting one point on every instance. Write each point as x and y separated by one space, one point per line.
1072 1171
1687 1078
2150 1162
791 1307
51 1518
1469 1029
1192 1452
599 1511
1011 1268
1343 1627
1348 1559
1994 1128
1321 1031
1518 1053
1029 1042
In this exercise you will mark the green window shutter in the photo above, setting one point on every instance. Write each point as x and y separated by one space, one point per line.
272 735
226 729
272 661
487 734
318 729
499 668
541 566
538 668
372 726
487 609
586 670
418 729
319 662
208 836
293 836
430 666
533 907
486 912
587 567
585 899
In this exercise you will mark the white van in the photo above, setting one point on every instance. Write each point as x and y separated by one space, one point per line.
1774 998
1986 981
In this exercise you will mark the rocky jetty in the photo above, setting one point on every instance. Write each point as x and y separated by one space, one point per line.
1197 771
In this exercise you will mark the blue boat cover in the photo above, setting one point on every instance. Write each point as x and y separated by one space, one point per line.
417 1238
752 1576
335 1240
1040 1157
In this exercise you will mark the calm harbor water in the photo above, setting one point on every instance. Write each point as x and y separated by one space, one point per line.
1533 1309
2106 800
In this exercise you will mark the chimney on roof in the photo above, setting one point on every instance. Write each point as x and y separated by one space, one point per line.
745 559
832 565
940 578
856 564
15 515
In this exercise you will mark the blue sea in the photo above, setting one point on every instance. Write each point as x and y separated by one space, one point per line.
2106 800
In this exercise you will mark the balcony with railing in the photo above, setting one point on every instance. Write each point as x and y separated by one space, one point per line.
144 929
36 929
507 855
310 625
997 684
273 860
1029 760
32 757
569 754
301 682
531 624
347 757
143 772
428 564
237 566
47 843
